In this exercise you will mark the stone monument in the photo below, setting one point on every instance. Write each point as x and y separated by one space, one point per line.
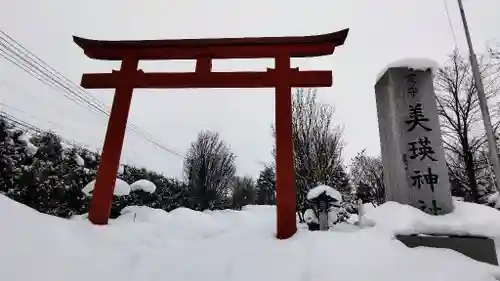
415 171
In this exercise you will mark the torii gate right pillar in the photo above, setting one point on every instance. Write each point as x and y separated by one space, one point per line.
285 171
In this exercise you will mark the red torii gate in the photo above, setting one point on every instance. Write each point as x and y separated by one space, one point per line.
282 78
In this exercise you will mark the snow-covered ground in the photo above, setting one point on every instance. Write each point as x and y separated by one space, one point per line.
146 244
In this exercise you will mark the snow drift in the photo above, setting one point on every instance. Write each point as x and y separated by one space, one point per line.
146 244
466 219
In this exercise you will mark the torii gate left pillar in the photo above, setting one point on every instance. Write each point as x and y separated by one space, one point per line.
282 78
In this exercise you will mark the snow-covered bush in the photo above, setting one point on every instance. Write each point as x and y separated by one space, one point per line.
39 171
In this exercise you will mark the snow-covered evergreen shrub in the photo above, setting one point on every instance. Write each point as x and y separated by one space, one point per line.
51 180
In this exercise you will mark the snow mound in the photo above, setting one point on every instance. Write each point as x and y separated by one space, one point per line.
31 149
411 63
79 160
466 219
24 138
121 188
146 244
11 132
66 145
368 207
320 189
143 185
494 199
121 168
310 216
143 214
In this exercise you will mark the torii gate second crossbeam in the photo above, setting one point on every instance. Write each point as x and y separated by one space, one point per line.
282 78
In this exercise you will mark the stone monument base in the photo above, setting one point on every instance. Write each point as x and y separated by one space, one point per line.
478 248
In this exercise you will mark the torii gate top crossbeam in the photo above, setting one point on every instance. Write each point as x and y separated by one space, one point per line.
265 47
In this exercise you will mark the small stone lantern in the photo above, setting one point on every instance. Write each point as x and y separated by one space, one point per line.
324 200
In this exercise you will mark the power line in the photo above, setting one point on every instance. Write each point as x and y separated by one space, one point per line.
135 129
30 128
20 56
134 153
40 74
450 23
35 98
40 78
34 129
47 68
16 90
153 141
19 110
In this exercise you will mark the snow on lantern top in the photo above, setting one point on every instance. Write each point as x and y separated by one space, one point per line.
320 189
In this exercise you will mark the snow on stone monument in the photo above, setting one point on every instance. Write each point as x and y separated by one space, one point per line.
415 170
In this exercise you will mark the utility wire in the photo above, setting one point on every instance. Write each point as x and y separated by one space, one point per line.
450 23
133 152
34 66
21 111
28 127
34 129
46 68
15 90
135 129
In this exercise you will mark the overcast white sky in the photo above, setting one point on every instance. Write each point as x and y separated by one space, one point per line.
380 32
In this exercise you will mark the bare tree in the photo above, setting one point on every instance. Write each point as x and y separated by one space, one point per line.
209 169
317 146
460 116
494 50
367 174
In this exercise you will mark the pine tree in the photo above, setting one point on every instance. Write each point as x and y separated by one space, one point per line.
243 192
266 187
209 169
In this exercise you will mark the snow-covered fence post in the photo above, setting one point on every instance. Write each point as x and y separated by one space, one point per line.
415 170
361 212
